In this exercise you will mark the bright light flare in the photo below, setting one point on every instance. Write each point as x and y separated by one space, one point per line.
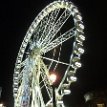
1 105
52 78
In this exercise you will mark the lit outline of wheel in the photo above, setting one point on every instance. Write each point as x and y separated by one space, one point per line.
75 56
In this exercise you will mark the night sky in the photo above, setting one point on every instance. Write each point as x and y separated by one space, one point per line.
15 18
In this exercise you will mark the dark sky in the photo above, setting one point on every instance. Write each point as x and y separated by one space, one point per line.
15 18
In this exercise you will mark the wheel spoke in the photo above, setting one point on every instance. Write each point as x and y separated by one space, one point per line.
44 74
47 89
40 28
50 22
50 101
49 59
40 98
23 63
52 58
57 26
20 76
64 37
58 57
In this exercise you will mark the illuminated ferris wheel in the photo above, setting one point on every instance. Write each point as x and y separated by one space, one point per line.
52 44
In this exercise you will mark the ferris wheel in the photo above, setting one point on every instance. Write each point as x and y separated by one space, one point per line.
52 44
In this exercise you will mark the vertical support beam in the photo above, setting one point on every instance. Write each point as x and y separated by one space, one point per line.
54 96
0 91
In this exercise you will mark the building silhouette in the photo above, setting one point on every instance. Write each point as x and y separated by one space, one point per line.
96 98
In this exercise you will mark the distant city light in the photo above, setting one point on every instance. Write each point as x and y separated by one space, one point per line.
100 105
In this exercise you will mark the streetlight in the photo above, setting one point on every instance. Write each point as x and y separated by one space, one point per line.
53 78
1 105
